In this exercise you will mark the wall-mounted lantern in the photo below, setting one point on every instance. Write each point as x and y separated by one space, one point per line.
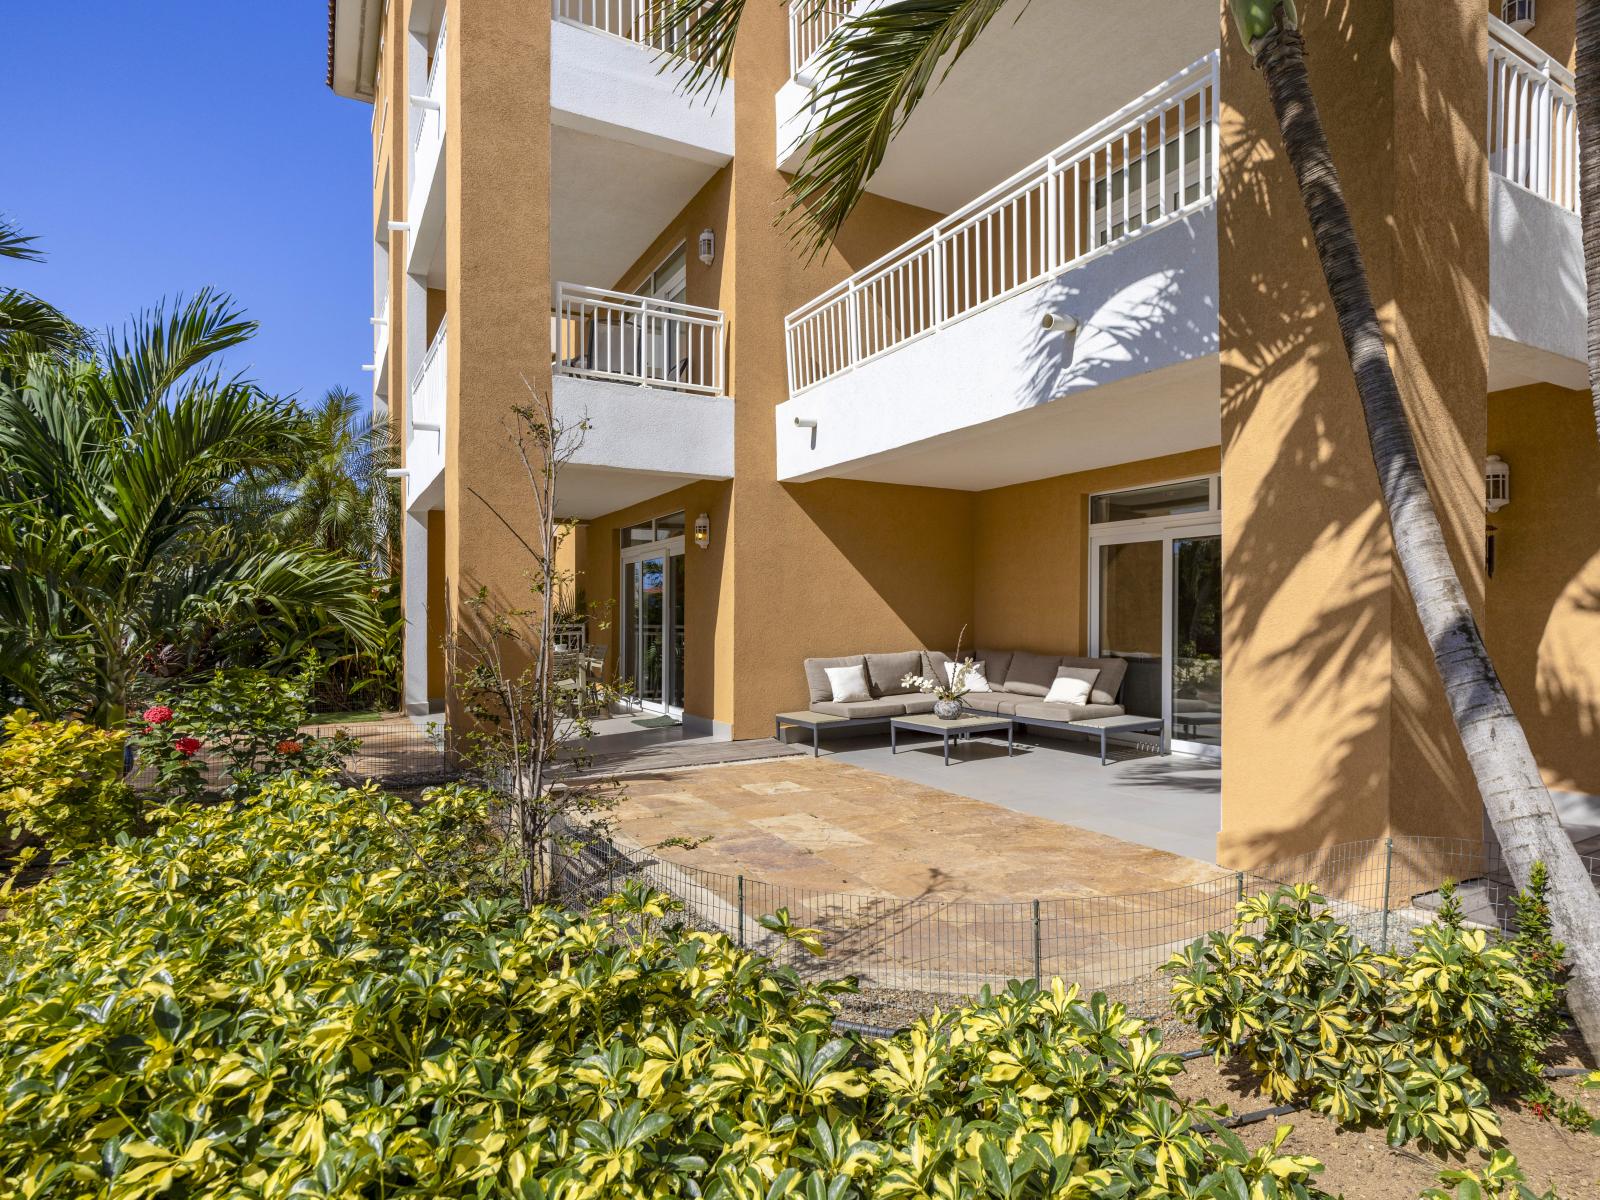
708 246
702 531
1496 483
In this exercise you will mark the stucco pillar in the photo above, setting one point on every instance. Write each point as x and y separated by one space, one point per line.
497 229
1337 727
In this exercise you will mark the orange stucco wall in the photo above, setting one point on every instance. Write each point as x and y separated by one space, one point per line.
1544 599
1337 726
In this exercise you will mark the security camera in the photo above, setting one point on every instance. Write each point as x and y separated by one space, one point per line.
1054 322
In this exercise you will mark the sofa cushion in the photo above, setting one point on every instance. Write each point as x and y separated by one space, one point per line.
933 662
1031 674
817 675
849 684
995 664
1108 683
887 670
916 702
1039 710
895 706
991 702
1072 685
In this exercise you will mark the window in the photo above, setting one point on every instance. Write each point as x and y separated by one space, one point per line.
667 282
1142 504
1148 187
660 529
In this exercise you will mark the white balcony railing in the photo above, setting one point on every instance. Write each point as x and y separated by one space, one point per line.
811 24
601 334
643 21
1071 205
430 125
428 386
380 336
1533 117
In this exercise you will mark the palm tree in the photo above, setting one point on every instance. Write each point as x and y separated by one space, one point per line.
28 325
878 67
1588 81
335 494
114 542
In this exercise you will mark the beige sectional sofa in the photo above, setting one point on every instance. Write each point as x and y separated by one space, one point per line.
1019 681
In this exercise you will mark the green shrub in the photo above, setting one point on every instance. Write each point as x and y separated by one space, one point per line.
1502 1179
246 721
304 996
1405 1040
61 781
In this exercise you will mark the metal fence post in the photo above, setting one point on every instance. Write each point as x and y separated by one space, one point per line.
1037 980
1239 890
741 911
1388 870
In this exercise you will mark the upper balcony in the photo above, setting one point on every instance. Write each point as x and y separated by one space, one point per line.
1031 78
425 164
425 420
628 147
1076 300
1537 301
646 378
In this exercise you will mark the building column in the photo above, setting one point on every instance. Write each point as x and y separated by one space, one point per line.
497 176
415 601
1337 725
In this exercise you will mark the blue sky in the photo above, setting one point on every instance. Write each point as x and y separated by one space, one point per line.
157 148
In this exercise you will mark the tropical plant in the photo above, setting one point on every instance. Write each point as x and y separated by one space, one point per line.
241 723
28 325
332 493
877 67
1502 1179
310 994
114 480
1412 1041
61 782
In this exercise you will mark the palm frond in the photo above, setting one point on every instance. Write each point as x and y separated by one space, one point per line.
703 49
30 327
158 348
875 70
16 244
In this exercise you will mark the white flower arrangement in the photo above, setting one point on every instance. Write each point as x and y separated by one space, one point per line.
955 688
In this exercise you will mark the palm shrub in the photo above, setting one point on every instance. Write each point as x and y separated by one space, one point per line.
1413 1041
315 994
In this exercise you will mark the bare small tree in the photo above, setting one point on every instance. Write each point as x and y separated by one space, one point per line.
527 704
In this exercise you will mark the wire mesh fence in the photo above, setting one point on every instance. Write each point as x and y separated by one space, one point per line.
942 949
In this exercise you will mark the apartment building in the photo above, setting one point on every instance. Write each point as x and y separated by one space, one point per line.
1068 379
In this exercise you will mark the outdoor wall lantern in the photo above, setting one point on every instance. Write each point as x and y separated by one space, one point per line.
708 246
1518 14
702 531
1496 483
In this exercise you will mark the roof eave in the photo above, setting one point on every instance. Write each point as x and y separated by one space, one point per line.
353 28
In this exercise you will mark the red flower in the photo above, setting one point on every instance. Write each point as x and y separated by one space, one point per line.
289 746
157 714
186 746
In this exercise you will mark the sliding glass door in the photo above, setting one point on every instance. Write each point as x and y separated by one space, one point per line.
1155 591
652 624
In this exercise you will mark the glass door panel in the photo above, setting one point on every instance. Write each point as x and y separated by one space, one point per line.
629 664
651 680
675 665
652 625
1197 639
1130 620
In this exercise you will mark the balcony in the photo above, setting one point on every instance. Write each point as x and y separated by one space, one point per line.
811 24
380 352
1537 301
647 377
425 417
425 196
942 346
628 148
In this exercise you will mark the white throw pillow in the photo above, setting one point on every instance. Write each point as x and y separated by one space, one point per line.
849 684
974 680
1068 690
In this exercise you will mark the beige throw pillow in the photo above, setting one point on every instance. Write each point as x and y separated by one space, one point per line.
973 681
1070 687
849 684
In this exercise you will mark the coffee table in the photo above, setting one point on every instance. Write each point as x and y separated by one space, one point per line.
961 727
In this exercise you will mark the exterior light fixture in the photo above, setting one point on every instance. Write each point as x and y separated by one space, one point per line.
708 246
1518 14
1056 322
702 531
1496 483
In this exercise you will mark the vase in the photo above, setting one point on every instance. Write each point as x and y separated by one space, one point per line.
947 710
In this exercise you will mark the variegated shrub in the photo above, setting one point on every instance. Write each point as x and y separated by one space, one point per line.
306 995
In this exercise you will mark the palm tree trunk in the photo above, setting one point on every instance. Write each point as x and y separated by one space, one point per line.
1514 795
1588 78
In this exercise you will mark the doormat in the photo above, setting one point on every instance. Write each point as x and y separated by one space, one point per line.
656 722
